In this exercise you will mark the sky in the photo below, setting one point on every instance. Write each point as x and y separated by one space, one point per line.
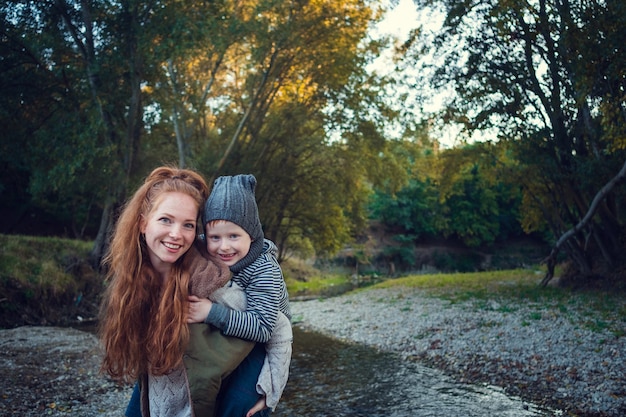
398 22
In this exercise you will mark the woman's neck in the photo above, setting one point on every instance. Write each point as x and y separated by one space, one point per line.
163 270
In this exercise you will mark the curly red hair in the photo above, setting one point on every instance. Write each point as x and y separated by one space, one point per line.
143 318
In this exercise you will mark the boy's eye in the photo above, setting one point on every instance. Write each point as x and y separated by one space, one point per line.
234 236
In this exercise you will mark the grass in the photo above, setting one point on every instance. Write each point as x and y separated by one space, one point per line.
472 284
41 263
322 286
42 270
454 287
40 274
504 291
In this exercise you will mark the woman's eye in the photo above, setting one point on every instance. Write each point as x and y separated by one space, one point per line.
190 226
165 220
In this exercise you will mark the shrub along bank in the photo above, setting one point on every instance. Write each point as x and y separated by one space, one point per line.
49 281
46 281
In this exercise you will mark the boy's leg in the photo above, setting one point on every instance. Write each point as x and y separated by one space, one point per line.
134 406
238 393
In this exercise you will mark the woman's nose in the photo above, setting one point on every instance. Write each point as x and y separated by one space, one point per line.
175 232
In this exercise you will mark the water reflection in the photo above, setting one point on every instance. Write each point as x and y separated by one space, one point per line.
331 378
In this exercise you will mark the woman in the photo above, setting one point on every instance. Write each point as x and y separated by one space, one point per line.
143 324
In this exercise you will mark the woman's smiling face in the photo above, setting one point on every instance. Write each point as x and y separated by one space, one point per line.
170 229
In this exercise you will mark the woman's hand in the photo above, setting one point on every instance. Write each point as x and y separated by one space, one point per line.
198 309
260 405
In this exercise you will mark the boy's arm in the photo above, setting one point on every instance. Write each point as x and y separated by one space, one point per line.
257 322
206 274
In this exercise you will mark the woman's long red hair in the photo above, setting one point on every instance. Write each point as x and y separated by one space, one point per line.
143 318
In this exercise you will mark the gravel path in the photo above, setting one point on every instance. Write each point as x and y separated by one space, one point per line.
542 353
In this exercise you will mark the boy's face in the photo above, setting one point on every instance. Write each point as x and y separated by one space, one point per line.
227 241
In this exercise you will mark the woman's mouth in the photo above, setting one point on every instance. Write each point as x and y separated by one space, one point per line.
172 246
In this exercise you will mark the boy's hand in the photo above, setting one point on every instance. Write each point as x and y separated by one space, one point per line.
198 309
260 405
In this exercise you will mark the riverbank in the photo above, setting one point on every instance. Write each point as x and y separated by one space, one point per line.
560 357
557 356
53 371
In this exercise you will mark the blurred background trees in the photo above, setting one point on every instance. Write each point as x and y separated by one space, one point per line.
97 93
549 78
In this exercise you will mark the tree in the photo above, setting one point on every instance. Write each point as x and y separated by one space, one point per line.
549 77
109 90
458 194
90 58
274 104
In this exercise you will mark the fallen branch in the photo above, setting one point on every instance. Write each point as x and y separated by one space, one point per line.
550 260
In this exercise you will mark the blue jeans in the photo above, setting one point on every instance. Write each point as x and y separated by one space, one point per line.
238 393
134 406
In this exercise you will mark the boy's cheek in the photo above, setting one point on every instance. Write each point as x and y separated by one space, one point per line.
211 248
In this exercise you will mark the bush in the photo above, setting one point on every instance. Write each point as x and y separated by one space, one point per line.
46 281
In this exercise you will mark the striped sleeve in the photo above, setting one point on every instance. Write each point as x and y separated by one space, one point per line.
264 285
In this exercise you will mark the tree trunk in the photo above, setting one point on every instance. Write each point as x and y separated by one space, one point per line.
100 245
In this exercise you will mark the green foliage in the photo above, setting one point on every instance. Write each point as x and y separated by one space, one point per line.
411 211
402 255
96 94
548 78
71 81
41 264
458 194
311 189
470 210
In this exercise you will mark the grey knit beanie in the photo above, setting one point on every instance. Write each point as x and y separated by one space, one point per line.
232 199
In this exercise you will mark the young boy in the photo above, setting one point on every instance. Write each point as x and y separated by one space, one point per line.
234 234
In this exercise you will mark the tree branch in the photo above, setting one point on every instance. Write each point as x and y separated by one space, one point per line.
600 196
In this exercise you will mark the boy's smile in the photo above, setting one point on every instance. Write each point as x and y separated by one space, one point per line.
228 241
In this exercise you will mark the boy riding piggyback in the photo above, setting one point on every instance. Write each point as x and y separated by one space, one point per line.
234 234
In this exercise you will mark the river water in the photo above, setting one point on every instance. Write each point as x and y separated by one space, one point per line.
333 378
